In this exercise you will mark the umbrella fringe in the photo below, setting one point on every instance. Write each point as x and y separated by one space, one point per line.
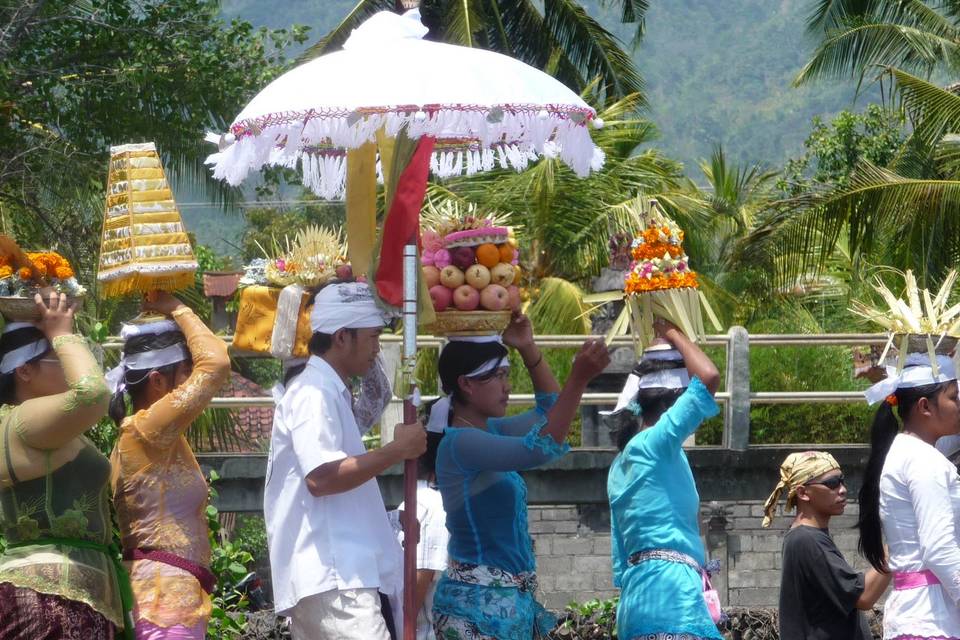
486 137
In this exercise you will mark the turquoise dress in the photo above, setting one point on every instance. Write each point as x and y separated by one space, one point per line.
654 505
486 504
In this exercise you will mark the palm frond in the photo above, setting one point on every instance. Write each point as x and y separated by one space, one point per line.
632 12
853 50
559 309
934 111
876 204
591 48
464 19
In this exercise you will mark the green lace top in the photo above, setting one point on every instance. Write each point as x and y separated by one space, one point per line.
66 492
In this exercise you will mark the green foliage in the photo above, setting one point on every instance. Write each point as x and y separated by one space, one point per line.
268 227
833 151
558 309
250 535
229 563
79 75
590 620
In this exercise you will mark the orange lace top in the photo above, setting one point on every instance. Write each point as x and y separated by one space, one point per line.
158 488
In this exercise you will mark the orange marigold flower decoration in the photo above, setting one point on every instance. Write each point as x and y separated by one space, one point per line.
25 273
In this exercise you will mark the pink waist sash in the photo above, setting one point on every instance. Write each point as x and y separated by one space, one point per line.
914 580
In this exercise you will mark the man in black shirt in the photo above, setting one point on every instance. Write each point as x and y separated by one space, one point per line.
821 596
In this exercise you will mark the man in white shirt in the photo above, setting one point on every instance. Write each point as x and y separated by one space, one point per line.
333 554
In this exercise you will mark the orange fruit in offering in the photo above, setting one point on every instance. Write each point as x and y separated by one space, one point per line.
488 255
507 252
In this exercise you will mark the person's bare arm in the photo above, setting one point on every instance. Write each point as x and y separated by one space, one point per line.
875 584
349 473
424 582
519 335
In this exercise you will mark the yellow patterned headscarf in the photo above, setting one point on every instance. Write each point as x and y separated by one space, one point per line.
796 470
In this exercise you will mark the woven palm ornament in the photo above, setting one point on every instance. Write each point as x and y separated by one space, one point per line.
144 244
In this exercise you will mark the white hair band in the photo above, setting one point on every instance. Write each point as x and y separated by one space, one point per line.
22 355
146 361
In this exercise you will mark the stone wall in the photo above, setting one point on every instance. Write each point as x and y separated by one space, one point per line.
572 544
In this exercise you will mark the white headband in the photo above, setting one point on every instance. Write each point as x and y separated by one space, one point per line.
347 305
491 364
146 361
917 372
22 355
129 330
676 378
439 415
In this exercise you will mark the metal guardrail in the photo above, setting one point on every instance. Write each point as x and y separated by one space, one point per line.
736 399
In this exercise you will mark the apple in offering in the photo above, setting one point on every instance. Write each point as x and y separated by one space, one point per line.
474 277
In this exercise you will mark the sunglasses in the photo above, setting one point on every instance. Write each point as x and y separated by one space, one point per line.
830 483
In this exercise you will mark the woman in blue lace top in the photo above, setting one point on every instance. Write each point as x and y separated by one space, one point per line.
658 557
488 589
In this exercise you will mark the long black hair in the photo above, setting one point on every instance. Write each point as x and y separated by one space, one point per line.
653 402
460 358
884 429
8 342
136 379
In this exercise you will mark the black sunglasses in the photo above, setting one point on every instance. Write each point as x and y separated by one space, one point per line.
830 483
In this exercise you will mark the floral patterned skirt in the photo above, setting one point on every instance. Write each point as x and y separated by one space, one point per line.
26 614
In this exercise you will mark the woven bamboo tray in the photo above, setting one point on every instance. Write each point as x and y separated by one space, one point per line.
17 309
470 323
917 343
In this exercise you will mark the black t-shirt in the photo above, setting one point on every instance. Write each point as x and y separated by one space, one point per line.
819 590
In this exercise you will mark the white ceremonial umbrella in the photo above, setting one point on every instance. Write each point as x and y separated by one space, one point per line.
483 109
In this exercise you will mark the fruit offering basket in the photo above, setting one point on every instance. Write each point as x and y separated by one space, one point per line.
470 265
24 274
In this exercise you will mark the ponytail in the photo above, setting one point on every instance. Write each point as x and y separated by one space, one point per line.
118 407
885 428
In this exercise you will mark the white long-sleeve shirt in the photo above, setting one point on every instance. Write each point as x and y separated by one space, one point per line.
920 512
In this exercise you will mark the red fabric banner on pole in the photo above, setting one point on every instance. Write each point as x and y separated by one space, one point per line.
403 222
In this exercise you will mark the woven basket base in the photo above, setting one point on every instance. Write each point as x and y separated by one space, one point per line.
470 323
16 309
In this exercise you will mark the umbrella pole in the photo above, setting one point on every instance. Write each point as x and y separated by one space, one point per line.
411 531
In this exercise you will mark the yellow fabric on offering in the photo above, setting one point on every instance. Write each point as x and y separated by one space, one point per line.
797 470
256 316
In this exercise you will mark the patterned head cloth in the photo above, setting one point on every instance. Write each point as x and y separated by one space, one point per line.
797 470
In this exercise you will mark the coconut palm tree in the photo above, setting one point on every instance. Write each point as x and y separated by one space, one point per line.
556 35
909 206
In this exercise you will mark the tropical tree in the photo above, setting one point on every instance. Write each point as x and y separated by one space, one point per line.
556 35
911 201
77 76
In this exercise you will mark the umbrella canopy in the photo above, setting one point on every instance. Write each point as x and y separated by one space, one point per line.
484 109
